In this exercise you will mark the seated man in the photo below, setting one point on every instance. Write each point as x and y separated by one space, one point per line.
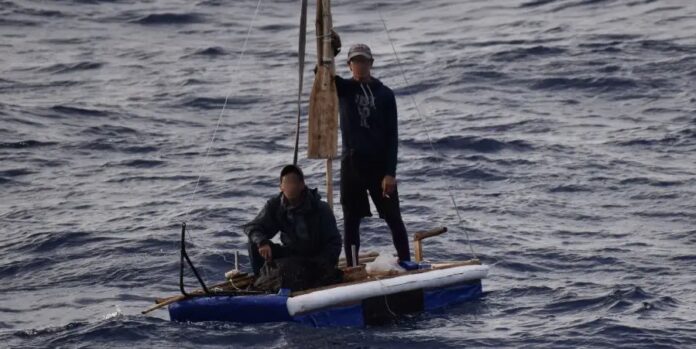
308 232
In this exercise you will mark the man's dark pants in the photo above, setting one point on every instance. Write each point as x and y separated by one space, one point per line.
358 178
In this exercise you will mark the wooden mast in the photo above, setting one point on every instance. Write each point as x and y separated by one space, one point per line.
322 135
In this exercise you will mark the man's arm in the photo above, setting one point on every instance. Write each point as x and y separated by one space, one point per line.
264 227
340 85
336 45
391 135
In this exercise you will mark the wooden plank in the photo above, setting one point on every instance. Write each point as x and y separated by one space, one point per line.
322 133
426 234
363 260
240 282
421 235
363 257
444 265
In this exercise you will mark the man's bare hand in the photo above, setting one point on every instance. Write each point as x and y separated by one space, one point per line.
388 185
265 252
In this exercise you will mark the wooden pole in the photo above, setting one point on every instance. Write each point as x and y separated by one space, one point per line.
318 28
420 236
327 56
240 281
329 182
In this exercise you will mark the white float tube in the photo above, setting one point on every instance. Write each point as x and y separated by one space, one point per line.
353 293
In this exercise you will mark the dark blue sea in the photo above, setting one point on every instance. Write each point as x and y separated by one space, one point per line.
564 129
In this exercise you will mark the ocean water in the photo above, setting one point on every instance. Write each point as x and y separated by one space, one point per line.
564 129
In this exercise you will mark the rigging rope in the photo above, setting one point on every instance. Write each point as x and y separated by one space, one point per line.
425 126
205 166
222 111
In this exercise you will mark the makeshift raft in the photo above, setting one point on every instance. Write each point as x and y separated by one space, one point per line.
371 302
360 300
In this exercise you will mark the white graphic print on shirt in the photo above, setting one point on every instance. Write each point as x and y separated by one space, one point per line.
364 103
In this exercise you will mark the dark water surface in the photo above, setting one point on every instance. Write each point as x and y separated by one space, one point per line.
566 130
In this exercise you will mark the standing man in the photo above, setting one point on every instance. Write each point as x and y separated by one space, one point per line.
369 133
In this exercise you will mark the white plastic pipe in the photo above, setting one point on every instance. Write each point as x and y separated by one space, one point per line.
353 293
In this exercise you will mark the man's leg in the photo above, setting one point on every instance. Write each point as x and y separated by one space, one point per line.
398 230
351 235
355 206
390 211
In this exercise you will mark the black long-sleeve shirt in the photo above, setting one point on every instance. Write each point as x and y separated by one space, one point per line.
368 115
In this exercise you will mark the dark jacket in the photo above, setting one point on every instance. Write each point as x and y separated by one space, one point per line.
308 230
369 127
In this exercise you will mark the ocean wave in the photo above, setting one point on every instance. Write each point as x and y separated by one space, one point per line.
527 53
686 214
601 84
536 3
207 103
483 145
530 125
519 266
581 3
456 173
503 162
649 181
16 172
570 188
211 52
26 265
71 110
170 19
415 89
49 14
64 68
129 178
11 23
116 145
136 163
110 130
615 299
663 9
28 144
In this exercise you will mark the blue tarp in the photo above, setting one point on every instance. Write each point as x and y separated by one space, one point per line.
273 308
446 296
246 309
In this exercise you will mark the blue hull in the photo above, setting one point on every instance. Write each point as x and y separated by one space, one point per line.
371 311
